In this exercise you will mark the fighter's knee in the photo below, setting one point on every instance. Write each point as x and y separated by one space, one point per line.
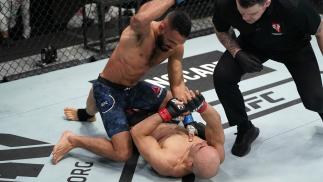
124 155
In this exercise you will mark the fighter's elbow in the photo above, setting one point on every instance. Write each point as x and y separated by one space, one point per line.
137 23
134 133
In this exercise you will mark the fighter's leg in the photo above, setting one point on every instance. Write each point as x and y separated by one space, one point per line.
110 103
118 149
62 147
87 114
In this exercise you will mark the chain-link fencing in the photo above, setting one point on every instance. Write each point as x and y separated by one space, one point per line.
38 36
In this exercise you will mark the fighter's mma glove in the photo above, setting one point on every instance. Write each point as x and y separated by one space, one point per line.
200 128
174 108
248 62
197 104
187 122
194 127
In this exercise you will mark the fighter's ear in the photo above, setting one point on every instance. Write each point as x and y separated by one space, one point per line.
162 26
267 3
189 163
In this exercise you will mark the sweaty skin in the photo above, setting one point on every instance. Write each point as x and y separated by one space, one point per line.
168 136
168 150
135 55
142 45
127 69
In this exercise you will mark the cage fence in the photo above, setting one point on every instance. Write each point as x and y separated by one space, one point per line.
38 36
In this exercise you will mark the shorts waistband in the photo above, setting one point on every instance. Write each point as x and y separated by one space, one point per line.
111 84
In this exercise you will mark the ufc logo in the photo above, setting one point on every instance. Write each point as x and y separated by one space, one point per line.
11 170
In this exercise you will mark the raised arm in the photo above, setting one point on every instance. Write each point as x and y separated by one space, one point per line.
147 13
147 145
213 131
319 36
175 74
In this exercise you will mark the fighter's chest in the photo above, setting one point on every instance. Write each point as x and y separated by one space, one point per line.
152 57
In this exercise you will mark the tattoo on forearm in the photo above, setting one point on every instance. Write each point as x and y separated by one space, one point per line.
228 42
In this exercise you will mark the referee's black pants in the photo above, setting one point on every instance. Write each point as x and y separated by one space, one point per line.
302 65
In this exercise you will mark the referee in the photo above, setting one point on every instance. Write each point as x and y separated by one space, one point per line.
279 30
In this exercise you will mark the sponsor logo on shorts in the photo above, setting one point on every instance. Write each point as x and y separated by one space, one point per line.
108 104
156 89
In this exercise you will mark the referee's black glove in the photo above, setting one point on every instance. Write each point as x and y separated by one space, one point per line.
248 62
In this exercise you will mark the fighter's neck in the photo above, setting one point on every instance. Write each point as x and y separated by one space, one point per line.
184 160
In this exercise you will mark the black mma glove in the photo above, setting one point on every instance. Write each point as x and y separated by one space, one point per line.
197 104
248 62
200 129
173 109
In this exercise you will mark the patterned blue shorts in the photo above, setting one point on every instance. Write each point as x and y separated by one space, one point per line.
112 100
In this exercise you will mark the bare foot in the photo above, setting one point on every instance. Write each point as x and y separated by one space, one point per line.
62 147
71 114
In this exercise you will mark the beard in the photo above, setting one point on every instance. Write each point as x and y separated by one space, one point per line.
161 44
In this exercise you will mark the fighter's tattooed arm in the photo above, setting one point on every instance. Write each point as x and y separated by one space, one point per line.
229 41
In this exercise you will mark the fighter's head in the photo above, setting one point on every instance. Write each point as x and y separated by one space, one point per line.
205 160
174 30
252 10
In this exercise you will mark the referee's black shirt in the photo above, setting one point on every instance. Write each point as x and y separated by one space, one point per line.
286 25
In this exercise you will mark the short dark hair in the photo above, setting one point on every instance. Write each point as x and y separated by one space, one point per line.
180 21
249 3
